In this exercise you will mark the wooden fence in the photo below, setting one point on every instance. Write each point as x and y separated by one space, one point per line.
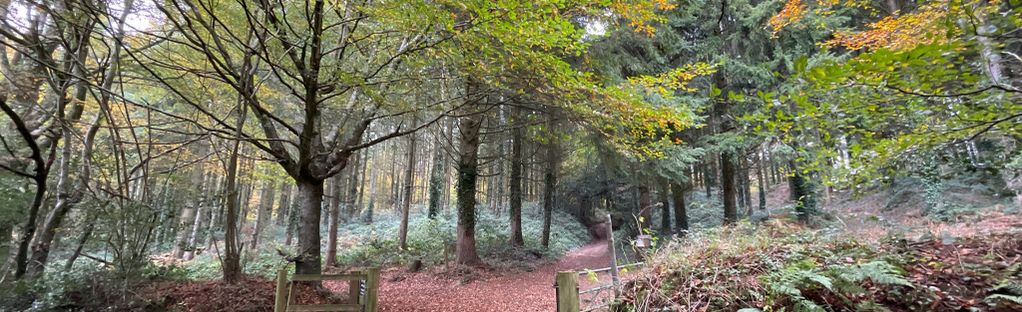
363 287
569 297
572 299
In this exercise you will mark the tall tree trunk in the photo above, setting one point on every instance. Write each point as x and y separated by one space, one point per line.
354 183
232 245
436 181
665 208
193 238
760 181
231 263
409 187
801 192
680 213
746 186
553 154
334 216
310 199
645 208
186 217
362 180
727 187
284 206
549 187
468 174
708 177
266 199
67 196
517 135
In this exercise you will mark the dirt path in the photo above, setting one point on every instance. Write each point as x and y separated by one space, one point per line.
496 291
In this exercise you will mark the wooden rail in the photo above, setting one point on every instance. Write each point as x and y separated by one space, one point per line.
363 287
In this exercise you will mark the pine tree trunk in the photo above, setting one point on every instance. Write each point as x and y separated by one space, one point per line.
409 187
284 206
727 187
517 133
680 213
645 208
334 215
362 180
436 182
746 189
760 181
354 183
801 193
550 185
549 188
708 178
665 207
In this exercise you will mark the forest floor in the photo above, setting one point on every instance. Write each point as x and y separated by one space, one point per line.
869 218
454 288
462 289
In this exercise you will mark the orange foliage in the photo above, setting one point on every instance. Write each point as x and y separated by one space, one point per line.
793 11
896 32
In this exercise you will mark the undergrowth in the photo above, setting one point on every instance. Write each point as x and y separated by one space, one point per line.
377 243
781 266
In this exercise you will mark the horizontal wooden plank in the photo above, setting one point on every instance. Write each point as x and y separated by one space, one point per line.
329 277
325 307
595 289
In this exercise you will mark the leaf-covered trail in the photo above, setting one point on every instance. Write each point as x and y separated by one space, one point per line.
495 291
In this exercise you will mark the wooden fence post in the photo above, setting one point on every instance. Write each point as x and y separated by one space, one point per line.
372 287
614 274
567 291
280 302
354 291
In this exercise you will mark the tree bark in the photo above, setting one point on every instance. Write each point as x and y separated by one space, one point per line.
801 193
760 181
266 199
665 208
727 187
746 186
436 181
680 213
284 206
231 263
550 180
709 177
645 208
187 215
517 135
193 238
409 187
310 198
468 174
334 216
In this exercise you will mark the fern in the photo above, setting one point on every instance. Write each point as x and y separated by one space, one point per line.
843 281
878 271
995 297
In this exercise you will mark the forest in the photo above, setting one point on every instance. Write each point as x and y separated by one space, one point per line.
465 155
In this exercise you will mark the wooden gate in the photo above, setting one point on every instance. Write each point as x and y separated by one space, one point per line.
362 291
571 299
